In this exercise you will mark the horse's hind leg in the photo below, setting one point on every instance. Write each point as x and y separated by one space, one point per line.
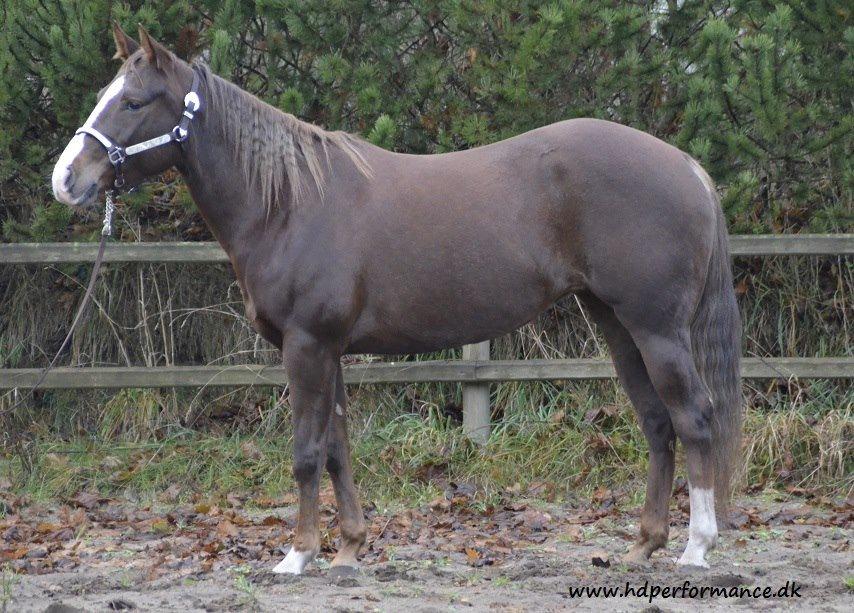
655 423
351 521
669 362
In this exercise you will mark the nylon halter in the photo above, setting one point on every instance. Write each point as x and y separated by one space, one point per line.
118 154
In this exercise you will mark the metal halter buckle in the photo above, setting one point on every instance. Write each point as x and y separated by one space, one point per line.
116 155
179 134
192 101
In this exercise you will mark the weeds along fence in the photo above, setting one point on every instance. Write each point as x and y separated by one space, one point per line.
476 371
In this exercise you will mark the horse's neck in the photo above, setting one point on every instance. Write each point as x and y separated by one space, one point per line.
219 188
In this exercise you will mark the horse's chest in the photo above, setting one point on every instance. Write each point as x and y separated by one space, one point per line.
259 315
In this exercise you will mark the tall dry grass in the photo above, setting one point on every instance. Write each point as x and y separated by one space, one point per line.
797 432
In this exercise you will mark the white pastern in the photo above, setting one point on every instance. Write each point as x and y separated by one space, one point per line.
295 562
75 146
702 527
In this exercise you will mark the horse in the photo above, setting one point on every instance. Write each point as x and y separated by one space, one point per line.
342 247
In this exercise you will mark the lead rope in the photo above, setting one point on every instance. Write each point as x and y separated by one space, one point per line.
106 231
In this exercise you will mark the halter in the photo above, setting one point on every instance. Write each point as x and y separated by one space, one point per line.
118 154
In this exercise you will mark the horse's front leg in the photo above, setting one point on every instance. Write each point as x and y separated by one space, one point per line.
351 521
311 368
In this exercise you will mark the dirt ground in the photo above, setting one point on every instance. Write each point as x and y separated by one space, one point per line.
455 554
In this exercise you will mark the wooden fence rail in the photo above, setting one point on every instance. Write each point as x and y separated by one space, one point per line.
60 253
475 371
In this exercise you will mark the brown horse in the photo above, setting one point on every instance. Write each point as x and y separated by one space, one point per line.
342 247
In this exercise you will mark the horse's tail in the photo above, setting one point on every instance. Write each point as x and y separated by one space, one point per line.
716 344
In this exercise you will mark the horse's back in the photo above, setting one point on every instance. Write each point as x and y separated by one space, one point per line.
577 205
592 161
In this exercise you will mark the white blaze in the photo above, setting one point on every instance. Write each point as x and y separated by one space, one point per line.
75 146
702 527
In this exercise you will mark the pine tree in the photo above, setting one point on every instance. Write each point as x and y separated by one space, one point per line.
759 92
53 55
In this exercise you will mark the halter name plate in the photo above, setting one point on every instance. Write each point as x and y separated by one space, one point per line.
149 144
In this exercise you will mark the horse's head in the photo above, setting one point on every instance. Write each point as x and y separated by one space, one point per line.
144 100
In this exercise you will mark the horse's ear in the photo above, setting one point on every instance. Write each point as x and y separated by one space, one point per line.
125 45
156 53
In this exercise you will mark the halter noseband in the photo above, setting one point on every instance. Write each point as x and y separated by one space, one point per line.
118 154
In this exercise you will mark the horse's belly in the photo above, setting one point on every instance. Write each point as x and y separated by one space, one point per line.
438 313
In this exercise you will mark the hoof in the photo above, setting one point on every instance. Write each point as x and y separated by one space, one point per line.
695 553
689 566
693 559
636 558
295 562
640 552
337 572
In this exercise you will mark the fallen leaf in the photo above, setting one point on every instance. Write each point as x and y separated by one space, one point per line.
161 526
171 493
13 554
600 559
226 529
251 451
85 500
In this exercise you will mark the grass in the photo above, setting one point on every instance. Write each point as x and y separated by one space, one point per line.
545 445
244 585
8 579
548 437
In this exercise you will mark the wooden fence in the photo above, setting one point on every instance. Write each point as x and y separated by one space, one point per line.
211 253
475 371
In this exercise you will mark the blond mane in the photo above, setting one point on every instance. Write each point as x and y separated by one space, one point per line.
275 150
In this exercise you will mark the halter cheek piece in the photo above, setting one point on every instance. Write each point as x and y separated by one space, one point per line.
118 154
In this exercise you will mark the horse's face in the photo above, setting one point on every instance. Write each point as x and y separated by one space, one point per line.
144 100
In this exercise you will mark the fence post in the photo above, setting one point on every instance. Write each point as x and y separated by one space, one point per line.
476 398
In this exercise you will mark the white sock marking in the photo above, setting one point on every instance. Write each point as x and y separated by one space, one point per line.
295 562
702 527
75 145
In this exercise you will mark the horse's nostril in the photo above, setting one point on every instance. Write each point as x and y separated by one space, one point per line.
68 183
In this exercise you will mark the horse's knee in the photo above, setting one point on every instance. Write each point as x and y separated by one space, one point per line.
336 452
307 458
333 464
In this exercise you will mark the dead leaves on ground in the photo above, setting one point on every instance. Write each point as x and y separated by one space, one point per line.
187 539
193 539
93 530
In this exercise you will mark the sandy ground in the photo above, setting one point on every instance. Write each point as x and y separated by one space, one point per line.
526 556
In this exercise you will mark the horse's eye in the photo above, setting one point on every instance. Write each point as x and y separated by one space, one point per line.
133 106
